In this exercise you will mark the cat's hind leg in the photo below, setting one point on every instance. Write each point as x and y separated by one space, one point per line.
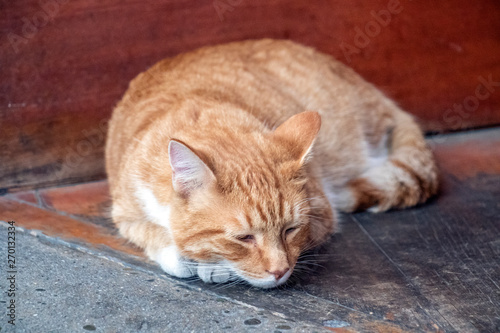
407 177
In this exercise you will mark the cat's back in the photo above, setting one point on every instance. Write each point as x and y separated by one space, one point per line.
262 75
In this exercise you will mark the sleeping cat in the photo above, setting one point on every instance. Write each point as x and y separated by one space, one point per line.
230 161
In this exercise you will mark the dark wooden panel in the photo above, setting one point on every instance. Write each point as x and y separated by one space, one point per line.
65 64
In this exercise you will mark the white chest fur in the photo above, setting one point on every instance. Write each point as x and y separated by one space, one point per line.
154 210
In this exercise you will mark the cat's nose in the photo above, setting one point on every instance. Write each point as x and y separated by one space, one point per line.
278 274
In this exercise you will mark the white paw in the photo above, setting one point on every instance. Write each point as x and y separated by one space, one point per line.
215 273
172 263
376 209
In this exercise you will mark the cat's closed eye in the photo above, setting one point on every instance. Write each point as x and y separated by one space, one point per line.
247 238
290 230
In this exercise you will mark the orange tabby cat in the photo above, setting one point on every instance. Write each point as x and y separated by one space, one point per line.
216 170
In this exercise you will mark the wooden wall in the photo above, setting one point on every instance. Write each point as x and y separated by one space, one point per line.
64 64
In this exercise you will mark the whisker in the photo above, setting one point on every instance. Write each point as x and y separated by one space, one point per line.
229 284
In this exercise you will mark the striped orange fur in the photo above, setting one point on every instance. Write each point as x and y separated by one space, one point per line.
228 162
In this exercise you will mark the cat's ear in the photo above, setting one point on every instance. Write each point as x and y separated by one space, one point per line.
298 134
189 172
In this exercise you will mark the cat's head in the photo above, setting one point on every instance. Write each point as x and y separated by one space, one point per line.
253 215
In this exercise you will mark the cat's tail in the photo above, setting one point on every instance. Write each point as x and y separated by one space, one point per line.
408 177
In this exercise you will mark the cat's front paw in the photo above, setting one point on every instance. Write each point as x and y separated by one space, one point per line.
172 263
214 273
